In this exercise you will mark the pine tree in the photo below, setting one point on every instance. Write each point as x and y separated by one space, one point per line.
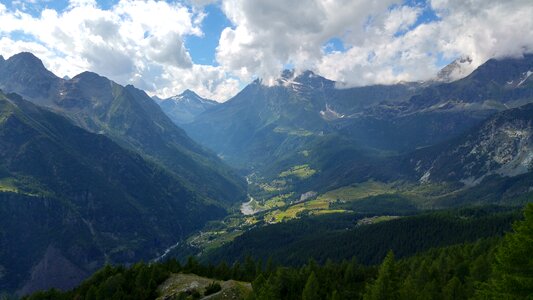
335 295
454 289
408 289
249 268
91 293
312 288
385 287
513 267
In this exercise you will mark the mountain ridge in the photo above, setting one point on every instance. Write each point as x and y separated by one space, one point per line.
129 117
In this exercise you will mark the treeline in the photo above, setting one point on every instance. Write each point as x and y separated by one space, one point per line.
490 268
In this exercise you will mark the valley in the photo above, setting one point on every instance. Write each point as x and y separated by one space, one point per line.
266 150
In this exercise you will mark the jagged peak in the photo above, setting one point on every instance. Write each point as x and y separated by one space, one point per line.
28 62
291 78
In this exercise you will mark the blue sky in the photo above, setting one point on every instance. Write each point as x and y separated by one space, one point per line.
202 48
217 48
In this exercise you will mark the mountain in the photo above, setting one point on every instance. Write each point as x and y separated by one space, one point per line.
263 122
496 85
442 111
72 200
129 117
25 72
501 145
185 107
457 69
306 133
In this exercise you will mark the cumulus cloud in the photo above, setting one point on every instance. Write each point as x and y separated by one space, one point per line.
139 42
385 41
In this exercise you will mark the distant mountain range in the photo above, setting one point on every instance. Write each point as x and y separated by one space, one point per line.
350 135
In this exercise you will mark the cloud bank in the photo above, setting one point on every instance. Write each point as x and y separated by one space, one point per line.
138 42
387 41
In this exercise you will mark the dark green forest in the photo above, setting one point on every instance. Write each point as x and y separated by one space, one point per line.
339 236
489 268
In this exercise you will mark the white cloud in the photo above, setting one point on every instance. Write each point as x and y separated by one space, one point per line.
270 34
382 46
142 42
139 42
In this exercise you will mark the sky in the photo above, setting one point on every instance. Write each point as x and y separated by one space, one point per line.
216 47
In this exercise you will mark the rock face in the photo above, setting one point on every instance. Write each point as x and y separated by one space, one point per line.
185 107
502 145
25 72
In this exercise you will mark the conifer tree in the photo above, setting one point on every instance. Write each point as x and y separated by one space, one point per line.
385 287
312 288
513 266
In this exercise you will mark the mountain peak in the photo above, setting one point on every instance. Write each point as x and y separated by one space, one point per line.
26 74
91 79
189 93
287 74
457 69
185 107
27 59
307 74
88 75
188 96
28 63
505 70
299 80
